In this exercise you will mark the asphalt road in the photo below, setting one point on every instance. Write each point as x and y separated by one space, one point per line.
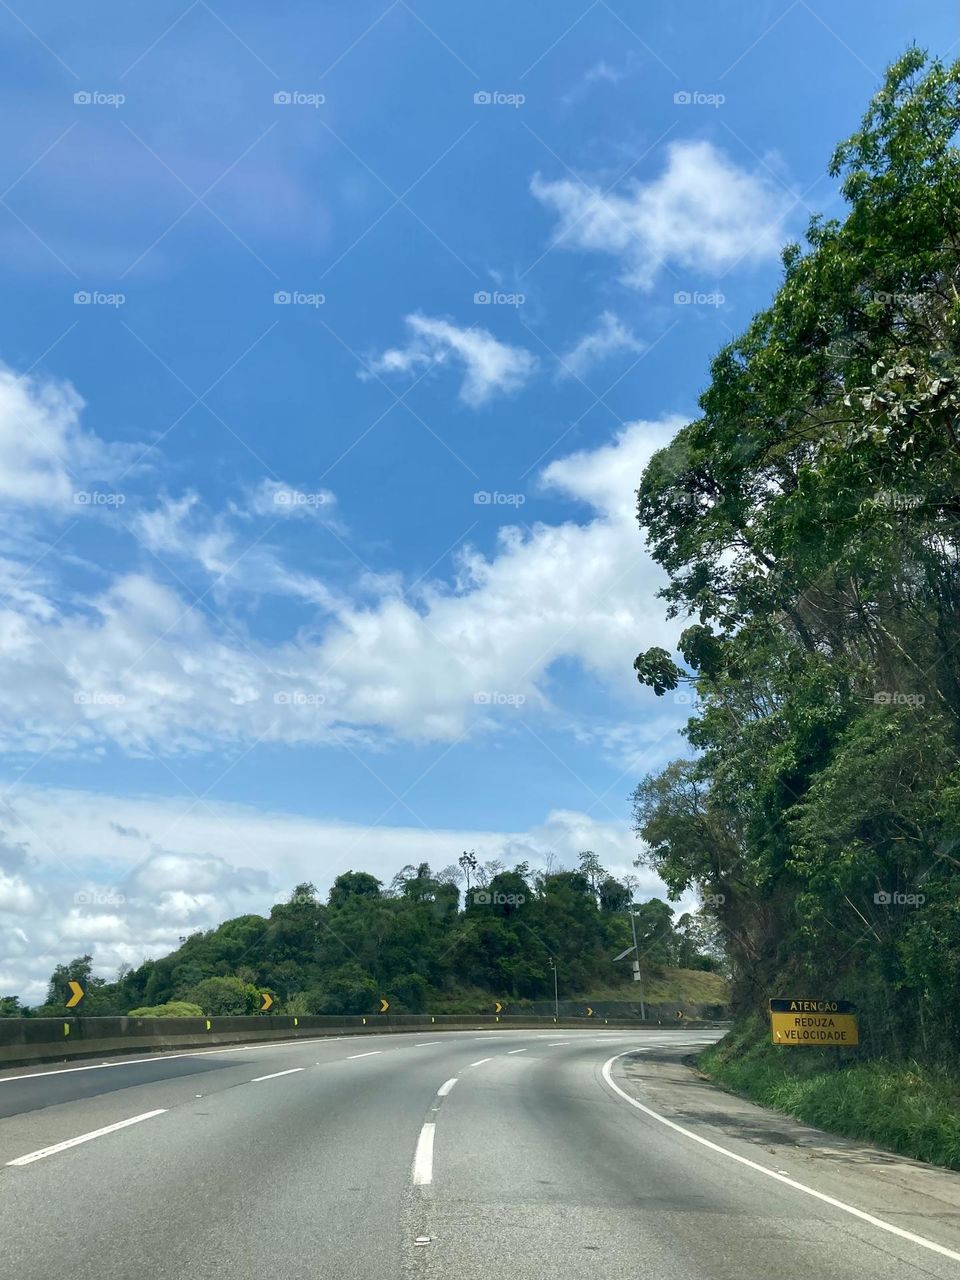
472 1154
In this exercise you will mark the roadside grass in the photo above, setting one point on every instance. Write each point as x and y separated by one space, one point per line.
909 1107
661 986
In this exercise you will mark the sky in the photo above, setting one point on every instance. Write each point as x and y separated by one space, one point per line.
336 340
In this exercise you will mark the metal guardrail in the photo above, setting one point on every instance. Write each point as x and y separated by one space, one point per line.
28 1040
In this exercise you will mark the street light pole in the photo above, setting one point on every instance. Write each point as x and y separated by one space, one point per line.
556 998
636 963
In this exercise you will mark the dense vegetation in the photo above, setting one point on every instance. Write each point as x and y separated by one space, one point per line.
414 942
809 524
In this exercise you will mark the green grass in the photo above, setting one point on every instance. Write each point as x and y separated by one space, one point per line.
666 986
909 1107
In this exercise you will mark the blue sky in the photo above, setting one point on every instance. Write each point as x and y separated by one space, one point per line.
336 340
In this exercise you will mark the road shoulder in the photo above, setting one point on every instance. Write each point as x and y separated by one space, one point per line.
916 1197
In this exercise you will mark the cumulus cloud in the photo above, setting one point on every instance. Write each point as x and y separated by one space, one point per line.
702 212
141 667
46 457
608 337
490 367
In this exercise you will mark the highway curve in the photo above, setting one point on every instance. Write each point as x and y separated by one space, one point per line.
476 1155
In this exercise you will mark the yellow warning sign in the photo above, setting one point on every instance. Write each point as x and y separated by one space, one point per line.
814 1028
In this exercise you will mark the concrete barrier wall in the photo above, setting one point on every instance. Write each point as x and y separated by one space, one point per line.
28 1040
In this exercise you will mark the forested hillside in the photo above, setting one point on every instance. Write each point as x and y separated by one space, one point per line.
420 941
809 523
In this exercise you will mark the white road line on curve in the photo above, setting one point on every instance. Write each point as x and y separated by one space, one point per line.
372 1054
481 1062
557 1043
512 1051
168 1057
273 1074
424 1044
423 1159
777 1177
84 1137
447 1086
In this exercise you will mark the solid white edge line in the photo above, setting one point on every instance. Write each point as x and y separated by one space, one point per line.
423 1159
168 1057
447 1086
777 1177
371 1054
85 1137
481 1062
273 1074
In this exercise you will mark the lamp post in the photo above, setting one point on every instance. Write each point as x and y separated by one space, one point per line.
637 976
556 998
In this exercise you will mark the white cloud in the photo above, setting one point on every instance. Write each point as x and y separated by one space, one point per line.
46 458
490 367
187 867
141 665
702 212
606 339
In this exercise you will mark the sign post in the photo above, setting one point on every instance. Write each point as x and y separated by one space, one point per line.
814 1022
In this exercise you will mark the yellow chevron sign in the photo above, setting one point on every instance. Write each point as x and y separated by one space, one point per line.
384 1004
266 1001
76 994
498 1007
